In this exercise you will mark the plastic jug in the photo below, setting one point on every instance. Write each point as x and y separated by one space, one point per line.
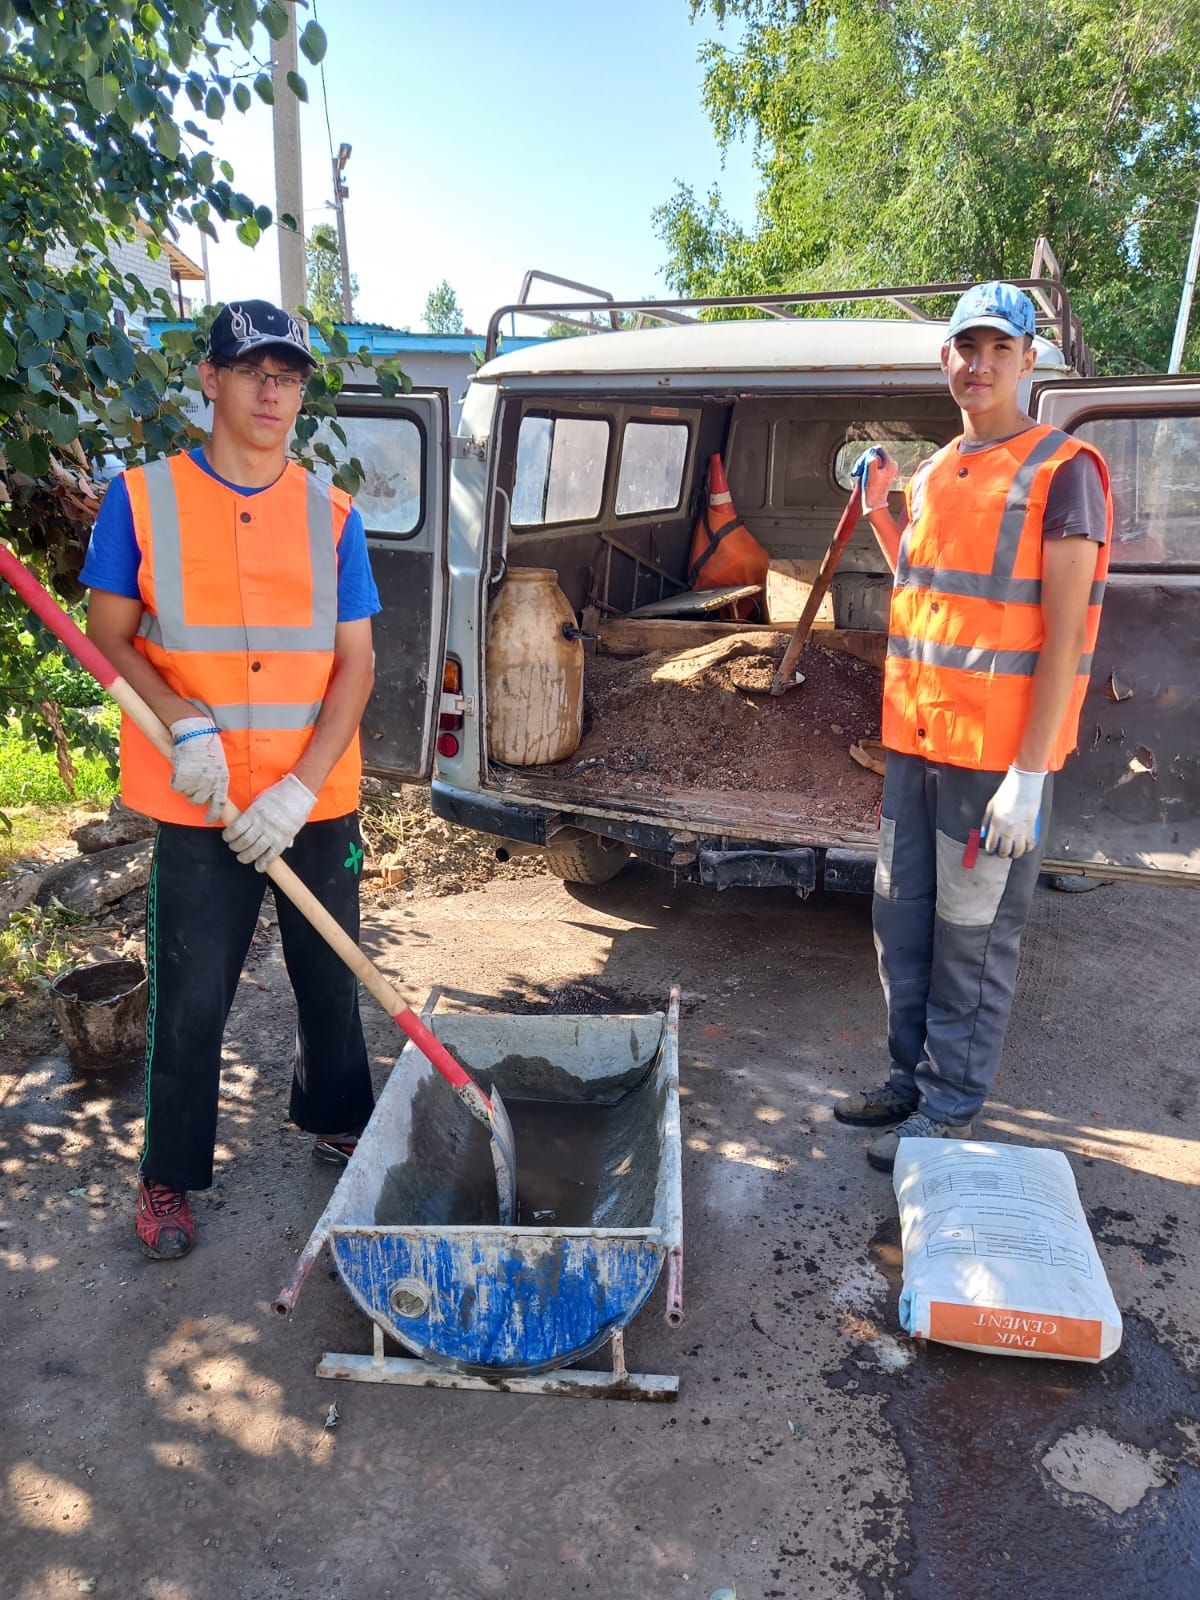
534 671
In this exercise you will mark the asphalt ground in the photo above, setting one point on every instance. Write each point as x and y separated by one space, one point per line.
164 1434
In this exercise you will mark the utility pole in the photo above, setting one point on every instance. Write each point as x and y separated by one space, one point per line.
340 193
1185 300
289 192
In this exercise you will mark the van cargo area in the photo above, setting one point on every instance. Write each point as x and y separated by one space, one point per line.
678 721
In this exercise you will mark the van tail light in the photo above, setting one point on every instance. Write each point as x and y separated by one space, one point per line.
450 721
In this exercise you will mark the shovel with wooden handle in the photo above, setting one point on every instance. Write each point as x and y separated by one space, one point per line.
488 1109
785 675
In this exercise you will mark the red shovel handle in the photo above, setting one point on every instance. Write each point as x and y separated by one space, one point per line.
47 609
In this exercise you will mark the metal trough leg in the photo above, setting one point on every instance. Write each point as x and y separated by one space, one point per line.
619 1384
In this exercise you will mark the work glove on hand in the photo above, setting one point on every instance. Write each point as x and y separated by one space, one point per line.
269 823
876 472
198 768
1011 819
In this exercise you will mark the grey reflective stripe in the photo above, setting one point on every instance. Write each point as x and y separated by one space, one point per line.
169 629
208 636
983 586
975 585
265 718
167 550
972 658
1012 523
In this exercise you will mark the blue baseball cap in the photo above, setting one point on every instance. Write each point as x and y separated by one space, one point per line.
994 305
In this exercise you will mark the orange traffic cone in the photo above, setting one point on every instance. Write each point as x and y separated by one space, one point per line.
724 551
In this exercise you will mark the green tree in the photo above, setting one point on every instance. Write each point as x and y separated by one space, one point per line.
927 141
443 314
324 274
91 145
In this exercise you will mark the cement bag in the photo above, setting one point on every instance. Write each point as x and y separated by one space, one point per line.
998 1256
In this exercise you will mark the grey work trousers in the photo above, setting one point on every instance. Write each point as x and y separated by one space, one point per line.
948 936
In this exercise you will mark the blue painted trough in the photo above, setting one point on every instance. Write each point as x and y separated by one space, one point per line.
412 1224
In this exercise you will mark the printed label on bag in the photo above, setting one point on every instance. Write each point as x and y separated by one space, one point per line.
1015 1330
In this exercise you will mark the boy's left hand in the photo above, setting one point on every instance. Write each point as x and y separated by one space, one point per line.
1011 819
270 822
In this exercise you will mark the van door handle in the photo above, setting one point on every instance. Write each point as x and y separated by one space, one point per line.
500 570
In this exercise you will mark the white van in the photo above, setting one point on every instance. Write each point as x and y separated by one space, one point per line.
588 455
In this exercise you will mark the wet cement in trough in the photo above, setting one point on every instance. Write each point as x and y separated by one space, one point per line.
579 1165
986 1511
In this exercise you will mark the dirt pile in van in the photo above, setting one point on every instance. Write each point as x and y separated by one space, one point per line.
702 719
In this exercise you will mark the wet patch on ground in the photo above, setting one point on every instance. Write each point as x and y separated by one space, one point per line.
1071 1478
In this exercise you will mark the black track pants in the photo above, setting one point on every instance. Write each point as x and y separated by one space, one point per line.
201 908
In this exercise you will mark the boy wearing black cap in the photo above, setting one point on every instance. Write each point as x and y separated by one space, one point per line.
999 576
233 591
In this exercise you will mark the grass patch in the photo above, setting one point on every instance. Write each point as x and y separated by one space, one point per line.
29 776
34 948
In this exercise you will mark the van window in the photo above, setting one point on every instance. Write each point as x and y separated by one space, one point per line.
896 439
560 470
390 449
651 471
1155 489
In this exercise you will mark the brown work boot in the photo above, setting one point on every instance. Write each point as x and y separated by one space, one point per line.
882 1153
166 1229
871 1108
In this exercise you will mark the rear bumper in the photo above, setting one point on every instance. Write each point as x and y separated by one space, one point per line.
718 862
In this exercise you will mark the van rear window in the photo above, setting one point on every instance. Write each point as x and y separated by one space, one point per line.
560 470
896 439
651 471
1155 489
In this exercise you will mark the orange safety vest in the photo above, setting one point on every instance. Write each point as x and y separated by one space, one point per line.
966 627
240 596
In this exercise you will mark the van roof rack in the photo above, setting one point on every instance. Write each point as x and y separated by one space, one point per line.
602 313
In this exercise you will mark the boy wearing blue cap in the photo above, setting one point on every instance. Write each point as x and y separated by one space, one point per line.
999 571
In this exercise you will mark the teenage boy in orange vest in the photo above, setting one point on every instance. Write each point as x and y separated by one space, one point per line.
999 569
232 590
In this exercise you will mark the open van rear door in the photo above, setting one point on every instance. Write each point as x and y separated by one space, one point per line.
403 444
1127 804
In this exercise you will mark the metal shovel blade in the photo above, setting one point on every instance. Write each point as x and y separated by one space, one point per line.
504 1159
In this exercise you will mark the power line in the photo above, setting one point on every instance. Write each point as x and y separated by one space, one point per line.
324 90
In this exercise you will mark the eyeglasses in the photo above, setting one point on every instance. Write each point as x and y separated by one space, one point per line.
288 383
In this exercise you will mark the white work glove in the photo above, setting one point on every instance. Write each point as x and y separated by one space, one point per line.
269 824
1010 821
198 768
876 472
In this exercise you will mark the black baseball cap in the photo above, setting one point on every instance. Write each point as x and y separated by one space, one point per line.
246 326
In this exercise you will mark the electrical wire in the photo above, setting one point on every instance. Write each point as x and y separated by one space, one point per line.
324 91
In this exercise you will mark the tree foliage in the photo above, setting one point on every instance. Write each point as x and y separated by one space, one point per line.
443 314
324 274
927 141
105 111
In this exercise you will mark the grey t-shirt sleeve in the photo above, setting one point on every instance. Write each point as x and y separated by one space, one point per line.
1075 506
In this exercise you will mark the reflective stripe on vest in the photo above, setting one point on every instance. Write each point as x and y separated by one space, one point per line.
240 618
966 626
169 628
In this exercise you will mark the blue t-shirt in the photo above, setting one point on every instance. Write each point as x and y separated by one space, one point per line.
113 555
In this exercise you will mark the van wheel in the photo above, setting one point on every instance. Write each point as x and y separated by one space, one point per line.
588 860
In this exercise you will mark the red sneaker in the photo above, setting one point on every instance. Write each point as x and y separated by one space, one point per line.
166 1228
335 1148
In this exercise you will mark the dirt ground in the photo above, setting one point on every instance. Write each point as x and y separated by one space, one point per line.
165 1437
719 728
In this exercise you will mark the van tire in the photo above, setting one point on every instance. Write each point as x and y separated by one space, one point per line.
588 860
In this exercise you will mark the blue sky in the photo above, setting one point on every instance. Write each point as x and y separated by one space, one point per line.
489 138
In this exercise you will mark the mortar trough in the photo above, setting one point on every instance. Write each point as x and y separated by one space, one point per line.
101 1011
413 1229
